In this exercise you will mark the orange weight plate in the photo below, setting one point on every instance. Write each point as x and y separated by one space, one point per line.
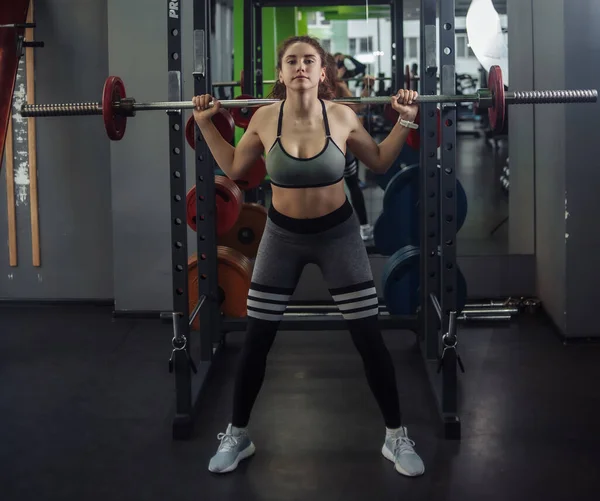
234 273
247 232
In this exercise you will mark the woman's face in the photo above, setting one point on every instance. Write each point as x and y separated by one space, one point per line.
301 67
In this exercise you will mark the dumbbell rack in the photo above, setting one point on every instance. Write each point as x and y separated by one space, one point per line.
192 361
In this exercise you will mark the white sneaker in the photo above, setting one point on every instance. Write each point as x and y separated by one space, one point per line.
366 232
235 445
399 449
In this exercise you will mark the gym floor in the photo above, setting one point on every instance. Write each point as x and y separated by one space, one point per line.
87 403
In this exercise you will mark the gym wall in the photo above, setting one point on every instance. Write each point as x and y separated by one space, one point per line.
140 163
104 206
563 152
581 161
73 160
521 238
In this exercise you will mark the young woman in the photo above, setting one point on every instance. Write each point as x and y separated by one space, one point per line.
310 221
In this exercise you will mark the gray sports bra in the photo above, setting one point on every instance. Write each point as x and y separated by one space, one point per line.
324 169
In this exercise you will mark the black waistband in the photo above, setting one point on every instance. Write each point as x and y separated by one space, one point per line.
314 225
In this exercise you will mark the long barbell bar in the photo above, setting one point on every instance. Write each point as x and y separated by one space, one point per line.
116 107
481 98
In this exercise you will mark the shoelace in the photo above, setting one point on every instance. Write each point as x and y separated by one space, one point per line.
228 441
403 445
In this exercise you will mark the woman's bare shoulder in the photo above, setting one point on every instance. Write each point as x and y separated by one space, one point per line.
263 113
340 111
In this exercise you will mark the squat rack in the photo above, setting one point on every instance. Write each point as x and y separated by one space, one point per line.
191 361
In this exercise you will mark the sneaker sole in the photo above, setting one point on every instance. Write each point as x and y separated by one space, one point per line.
387 454
246 453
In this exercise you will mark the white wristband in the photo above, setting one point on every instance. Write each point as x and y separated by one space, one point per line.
406 123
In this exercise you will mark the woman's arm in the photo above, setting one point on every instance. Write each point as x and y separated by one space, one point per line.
380 157
376 157
233 161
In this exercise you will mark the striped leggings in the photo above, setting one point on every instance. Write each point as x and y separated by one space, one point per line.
333 243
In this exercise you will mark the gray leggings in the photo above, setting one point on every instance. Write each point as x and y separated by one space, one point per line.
333 243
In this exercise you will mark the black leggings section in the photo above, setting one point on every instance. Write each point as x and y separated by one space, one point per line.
367 338
357 197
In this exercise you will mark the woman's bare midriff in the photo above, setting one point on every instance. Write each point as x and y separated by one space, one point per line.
305 140
308 203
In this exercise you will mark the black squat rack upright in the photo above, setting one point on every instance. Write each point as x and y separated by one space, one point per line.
435 325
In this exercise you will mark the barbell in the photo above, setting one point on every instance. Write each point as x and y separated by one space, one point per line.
115 107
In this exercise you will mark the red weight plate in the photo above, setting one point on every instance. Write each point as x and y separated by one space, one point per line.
114 123
190 132
254 176
229 199
234 271
414 136
190 208
11 12
496 111
390 114
242 116
246 234
222 121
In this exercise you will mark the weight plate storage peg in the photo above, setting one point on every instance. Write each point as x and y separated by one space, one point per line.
246 234
234 271
401 282
228 201
223 122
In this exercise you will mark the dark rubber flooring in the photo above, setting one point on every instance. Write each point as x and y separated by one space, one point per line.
86 404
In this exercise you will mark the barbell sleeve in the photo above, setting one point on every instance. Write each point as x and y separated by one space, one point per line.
552 96
61 110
